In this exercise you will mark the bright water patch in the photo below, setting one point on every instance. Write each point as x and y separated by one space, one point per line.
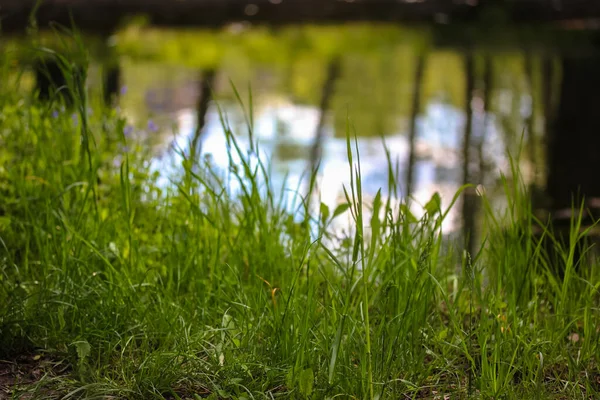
284 135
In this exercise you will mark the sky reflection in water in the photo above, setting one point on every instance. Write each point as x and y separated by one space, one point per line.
285 133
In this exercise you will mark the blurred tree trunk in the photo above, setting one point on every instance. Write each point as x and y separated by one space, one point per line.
488 82
111 77
206 93
412 133
548 103
574 152
532 145
52 80
468 206
332 75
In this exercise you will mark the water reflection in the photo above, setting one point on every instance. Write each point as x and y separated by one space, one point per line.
305 78
285 134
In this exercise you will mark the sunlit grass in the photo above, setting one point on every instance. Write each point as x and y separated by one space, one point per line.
114 285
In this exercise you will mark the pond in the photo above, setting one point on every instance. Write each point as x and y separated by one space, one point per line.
284 75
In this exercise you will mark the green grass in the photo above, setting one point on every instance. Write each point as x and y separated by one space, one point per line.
112 286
